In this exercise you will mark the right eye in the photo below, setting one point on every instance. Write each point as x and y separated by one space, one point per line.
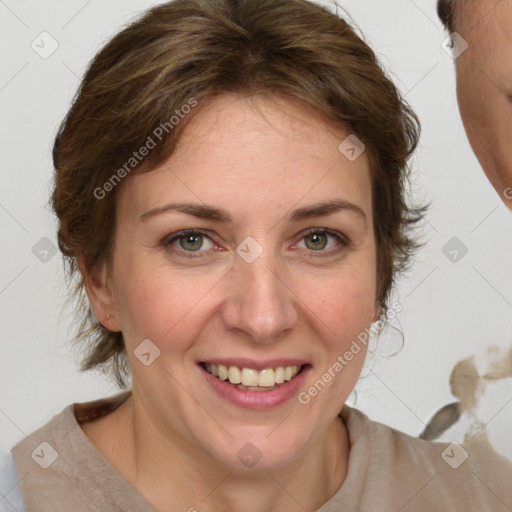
193 236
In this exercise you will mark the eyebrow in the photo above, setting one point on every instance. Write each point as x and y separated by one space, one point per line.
203 211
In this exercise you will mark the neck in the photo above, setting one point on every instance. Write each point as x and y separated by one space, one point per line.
168 470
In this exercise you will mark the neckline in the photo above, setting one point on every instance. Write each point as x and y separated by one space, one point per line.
356 424
96 470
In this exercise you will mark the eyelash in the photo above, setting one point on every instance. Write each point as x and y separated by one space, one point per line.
342 239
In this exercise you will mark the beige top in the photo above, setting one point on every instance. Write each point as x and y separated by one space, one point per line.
387 470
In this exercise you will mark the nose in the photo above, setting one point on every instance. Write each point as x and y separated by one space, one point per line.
260 305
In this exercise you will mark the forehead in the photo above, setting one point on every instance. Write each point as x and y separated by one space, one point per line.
248 153
259 118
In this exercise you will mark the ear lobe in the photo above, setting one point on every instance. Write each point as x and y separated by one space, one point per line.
100 296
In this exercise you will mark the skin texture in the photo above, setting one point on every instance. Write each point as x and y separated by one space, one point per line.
175 440
484 87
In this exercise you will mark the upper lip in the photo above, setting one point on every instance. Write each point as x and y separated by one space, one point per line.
255 364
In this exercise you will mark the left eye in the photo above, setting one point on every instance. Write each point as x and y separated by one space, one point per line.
191 241
316 236
190 237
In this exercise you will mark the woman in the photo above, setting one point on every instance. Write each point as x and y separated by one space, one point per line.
230 189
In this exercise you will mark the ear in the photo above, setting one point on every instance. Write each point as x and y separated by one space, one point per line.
99 292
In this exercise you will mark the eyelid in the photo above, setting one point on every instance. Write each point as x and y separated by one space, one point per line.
343 240
168 240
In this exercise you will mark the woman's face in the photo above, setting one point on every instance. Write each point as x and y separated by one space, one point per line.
255 291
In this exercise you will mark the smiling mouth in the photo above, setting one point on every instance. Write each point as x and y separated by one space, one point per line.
249 379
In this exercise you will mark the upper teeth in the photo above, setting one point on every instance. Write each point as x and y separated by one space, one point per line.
250 377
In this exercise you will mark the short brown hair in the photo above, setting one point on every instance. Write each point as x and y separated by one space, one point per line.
201 49
446 10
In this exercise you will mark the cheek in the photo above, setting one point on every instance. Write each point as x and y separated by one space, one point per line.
486 113
152 299
161 302
478 93
344 302
467 95
342 320
352 310
474 110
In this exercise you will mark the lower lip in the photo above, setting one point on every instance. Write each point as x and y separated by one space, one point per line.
257 400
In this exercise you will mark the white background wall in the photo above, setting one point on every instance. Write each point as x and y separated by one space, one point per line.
451 310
